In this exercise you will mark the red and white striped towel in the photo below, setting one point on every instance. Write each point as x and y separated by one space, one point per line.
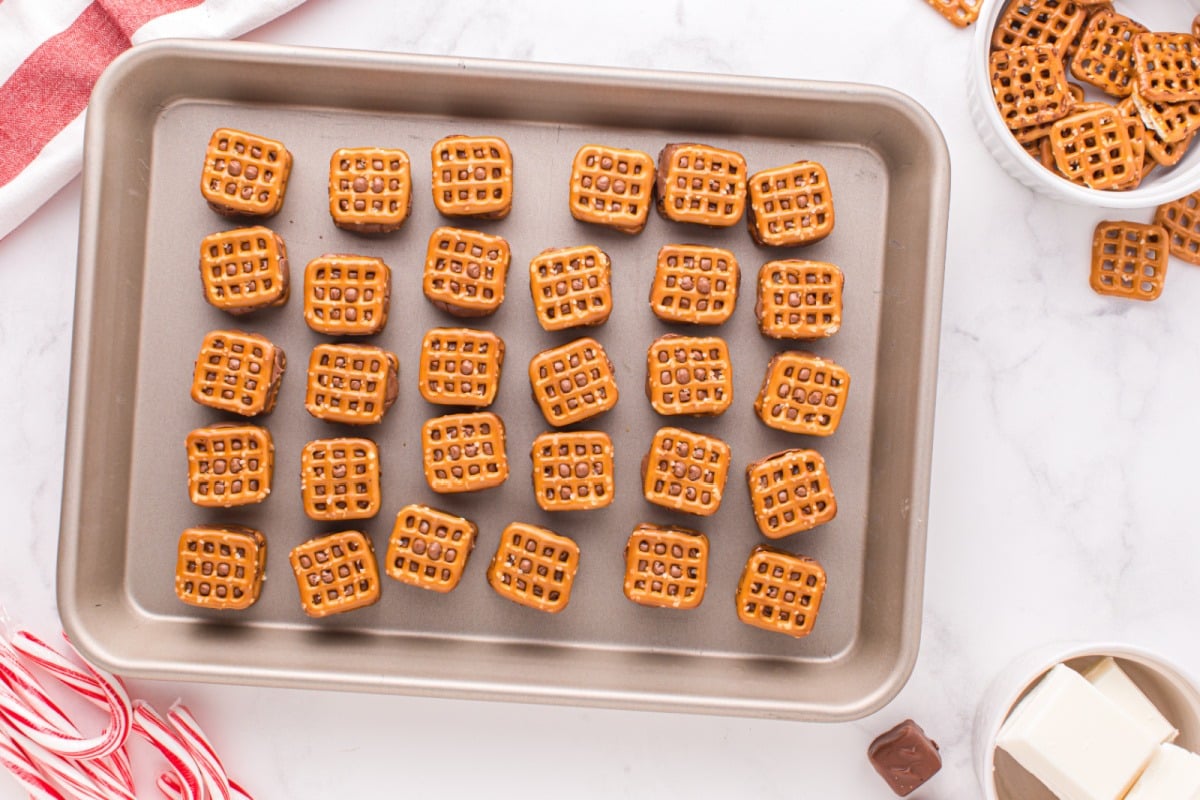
52 51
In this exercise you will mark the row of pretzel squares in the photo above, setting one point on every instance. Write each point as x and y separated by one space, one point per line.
1129 259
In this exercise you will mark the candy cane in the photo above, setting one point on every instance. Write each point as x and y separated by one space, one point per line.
17 762
216 780
154 729
68 774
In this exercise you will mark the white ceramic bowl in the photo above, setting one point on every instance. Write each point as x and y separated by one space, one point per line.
1161 186
1169 687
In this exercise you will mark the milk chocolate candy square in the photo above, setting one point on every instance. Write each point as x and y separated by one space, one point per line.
460 366
464 452
229 465
429 548
573 470
1129 260
571 287
465 271
245 269
238 372
244 174
689 375
701 184
220 566
346 295
1039 22
534 567
790 205
353 384
686 471
905 757
780 592
666 567
803 393
1167 67
1181 220
336 573
473 177
613 187
799 299
573 382
370 189
694 283
339 479
790 492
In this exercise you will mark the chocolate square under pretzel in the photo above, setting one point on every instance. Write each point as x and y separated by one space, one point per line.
689 375
473 177
336 573
339 479
245 269
694 283
571 287
460 366
666 567
803 393
612 186
572 470
790 492
370 189
347 295
465 271
244 174
701 184
1181 220
534 567
790 205
686 471
780 592
238 372
429 548
1039 22
229 465
220 566
351 383
1167 67
464 452
573 382
799 299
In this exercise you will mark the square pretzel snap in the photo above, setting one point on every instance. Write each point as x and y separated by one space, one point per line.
1030 86
336 573
244 174
613 187
354 384
701 184
460 367
780 592
1055 23
790 492
1105 55
229 465
960 12
339 479
238 372
429 548
1181 220
573 382
534 567
686 471
1173 123
689 375
1129 260
572 470
666 567
245 269
473 177
571 287
694 283
220 566
803 393
347 295
464 452
465 271
799 299
1097 148
790 205
370 189
1167 67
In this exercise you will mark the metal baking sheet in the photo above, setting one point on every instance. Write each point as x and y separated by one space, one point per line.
140 318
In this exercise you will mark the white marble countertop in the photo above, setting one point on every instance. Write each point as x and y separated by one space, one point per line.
1061 497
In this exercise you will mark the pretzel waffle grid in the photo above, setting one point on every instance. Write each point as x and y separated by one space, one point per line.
611 186
573 471
350 383
1105 55
1181 220
571 286
464 452
336 573
1168 67
1030 86
573 382
694 283
534 567
460 367
347 295
465 271
339 479
1039 22
790 492
229 465
791 204
961 12
803 393
666 567
1095 147
799 299
472 176
244 269
686 471
237 372
689 375
429 548
702 184
370 188
780 592
245 173
220 567
1172 122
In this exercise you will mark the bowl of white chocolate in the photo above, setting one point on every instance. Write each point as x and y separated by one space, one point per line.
1090 722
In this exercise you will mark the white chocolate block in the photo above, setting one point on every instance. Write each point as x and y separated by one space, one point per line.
1076 741
1173 774
1117 686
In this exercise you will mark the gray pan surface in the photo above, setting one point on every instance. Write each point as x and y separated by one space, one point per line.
141 316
